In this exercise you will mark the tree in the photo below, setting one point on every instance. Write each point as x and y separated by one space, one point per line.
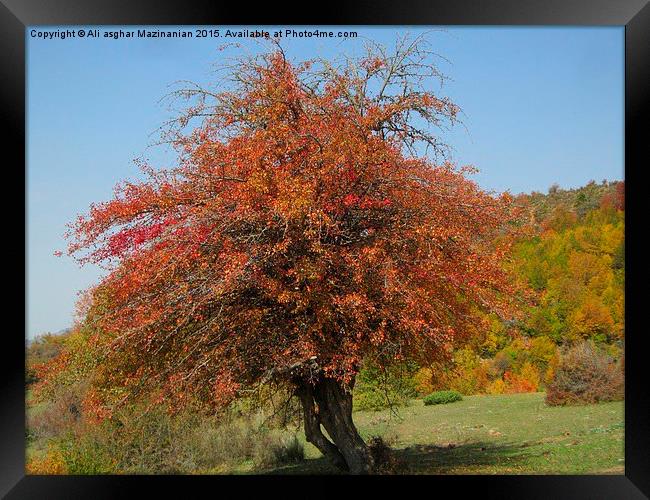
304 230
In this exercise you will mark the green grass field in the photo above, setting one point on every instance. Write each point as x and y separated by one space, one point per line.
504 434
500 434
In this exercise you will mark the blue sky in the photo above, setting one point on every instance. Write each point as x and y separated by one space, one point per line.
541 106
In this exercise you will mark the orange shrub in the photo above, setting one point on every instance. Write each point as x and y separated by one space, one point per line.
550 370
524 382
52 463
498 386
470 381
424 381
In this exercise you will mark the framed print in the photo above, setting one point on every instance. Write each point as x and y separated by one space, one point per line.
386 241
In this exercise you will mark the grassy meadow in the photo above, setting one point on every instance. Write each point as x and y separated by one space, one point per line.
488 434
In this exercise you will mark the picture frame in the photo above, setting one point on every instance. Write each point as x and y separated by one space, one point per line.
16 16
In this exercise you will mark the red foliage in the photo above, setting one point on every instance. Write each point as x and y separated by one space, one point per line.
620 196
516 384
614 199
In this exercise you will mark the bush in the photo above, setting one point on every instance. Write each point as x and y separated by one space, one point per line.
470 374
527 380
585 375
55 418
155 442
497 386
370 400
52 462
499 365
517 353
289 450
549 374
542 351
470 381
442 397
423 380
222 443
41 350
378 389
383 456
86 456
275 450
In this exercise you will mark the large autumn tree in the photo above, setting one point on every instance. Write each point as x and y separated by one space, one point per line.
312 223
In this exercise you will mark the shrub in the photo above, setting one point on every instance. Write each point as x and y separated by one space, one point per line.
542 351
274 450
52 462
442 397
530 373
518 354
549 374
226 444
471 380
585 375
376 389
527 380
498 386
85 455
374 399
156 442
57 417
289 450
41 350
500 364
471 373
515 384
424 381
383 457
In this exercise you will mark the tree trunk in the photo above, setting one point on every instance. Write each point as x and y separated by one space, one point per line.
326 402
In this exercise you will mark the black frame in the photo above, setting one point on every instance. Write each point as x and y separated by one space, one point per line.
15 15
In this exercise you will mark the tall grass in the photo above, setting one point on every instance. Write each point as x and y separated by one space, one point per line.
156 442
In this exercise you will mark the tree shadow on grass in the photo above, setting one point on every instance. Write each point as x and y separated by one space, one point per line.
469 458
311 466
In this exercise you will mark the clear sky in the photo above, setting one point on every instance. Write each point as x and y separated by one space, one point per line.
541 106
